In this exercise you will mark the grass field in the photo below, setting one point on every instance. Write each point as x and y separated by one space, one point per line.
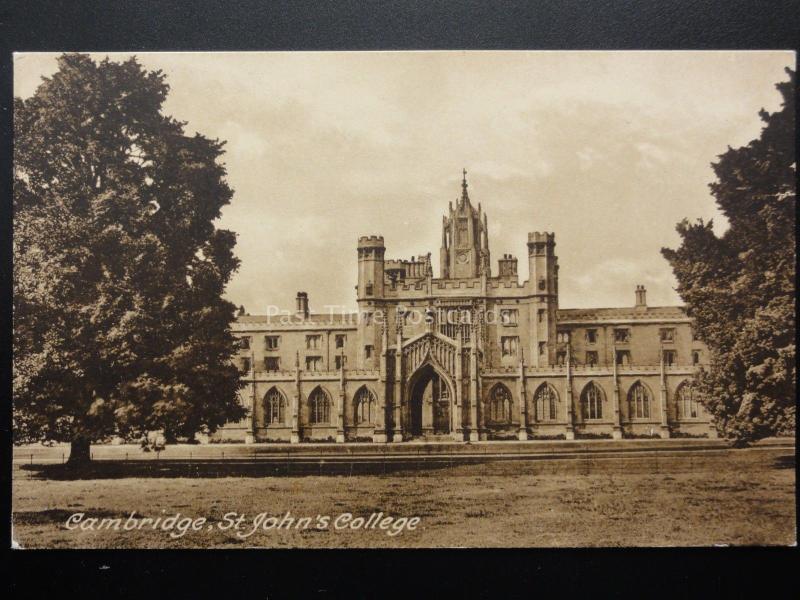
736 497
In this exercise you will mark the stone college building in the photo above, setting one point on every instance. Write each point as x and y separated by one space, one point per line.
469 355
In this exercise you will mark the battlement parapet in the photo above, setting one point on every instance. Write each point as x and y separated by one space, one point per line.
541 237
370 241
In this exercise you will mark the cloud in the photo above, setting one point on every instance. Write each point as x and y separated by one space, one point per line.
606 149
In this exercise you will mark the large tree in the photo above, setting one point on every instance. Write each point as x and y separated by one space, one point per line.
120 326
740 287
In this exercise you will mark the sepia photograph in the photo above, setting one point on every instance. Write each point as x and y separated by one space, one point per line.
404 299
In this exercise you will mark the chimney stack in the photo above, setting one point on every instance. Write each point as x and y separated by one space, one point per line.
302 305
641 296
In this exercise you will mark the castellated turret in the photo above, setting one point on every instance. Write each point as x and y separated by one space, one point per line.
543 286
542 262
370 266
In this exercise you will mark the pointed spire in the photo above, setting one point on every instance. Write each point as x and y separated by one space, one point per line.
464 195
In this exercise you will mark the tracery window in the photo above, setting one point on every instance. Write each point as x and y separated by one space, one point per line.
639 401
499 404
364 405
274 406
546 403
319 405
592 402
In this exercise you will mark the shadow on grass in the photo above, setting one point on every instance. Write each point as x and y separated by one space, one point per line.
115 469
784 462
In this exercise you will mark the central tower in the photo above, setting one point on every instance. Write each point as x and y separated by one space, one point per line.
465 240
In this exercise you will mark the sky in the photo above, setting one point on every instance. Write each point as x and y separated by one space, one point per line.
608 150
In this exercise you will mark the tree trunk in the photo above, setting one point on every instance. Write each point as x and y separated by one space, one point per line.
79 452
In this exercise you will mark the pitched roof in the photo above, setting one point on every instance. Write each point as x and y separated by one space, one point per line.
289 320
622 314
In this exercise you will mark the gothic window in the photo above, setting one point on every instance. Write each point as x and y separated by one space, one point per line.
509 316
591 336
638 401
667 334
695 357
542 284
540 314
592 402
319 407
369 289
591 358
364 404
623 357
686 399
274 407
500 404
622 336
245 368
368 351
340 340
562 337
313 363
271 342
546 403
508 345
272 363
313 342
670 357
561 358
542 348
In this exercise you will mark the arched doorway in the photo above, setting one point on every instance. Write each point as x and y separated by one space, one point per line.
429 403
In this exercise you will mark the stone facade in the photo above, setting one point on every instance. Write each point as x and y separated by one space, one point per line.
468 355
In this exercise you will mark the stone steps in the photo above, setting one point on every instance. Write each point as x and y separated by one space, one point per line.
408 449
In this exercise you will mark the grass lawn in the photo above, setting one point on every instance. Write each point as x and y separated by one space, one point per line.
737 497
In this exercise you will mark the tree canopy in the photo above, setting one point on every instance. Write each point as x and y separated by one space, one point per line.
120 326
740 287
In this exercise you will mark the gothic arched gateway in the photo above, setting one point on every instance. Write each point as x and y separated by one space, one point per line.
430 398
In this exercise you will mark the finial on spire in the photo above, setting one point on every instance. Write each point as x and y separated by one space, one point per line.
464 185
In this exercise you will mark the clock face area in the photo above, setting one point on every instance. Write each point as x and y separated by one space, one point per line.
462 258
